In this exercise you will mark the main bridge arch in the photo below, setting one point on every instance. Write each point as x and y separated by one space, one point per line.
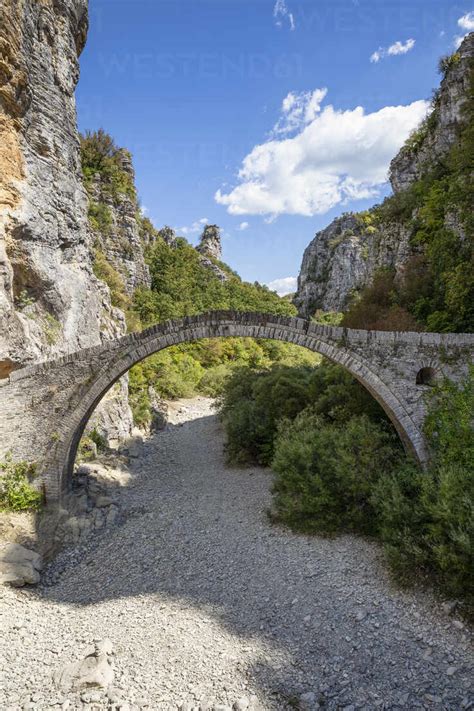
49 404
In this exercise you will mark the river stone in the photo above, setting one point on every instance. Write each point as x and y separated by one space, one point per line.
93 671
19 565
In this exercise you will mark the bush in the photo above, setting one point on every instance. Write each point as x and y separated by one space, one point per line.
100 154
214 380
325 473
254 402
87 450
16 491
427 524
402 519
376 308
104 271
449 424
427 518
448 62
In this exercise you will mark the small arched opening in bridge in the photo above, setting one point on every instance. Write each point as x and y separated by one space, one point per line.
426 376
134 348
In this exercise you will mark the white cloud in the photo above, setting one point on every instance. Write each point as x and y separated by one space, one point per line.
400 47
297 110
394 49
281 13
337 157
243 226
193 229
466 22
286 285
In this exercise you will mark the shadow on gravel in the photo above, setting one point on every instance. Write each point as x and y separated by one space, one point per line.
196 533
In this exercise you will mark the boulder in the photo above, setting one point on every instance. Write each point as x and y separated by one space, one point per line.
93 671
18 565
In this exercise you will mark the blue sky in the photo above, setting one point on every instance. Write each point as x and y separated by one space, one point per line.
244 112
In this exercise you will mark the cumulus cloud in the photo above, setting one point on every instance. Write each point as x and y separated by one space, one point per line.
297 110
284 286
281 14
466 22
336 157
193 229
394 49
243 226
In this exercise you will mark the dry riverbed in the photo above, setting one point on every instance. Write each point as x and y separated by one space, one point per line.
208 606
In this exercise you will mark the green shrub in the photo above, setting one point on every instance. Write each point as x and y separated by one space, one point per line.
51 328
87 450
177 374
446 63
328 318
138 396
449 424
98 439
402 519
254 402
100 217
16 490
214 380
325 473
426 522
426 518
99 154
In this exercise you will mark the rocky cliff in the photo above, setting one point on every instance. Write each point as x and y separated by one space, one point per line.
50 300
210 249
210 243
343 258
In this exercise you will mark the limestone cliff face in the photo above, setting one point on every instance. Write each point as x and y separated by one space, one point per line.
342 258
50 301
210 243
437 136
210 249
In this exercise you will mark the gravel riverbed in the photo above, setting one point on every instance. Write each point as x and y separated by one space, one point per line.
209 606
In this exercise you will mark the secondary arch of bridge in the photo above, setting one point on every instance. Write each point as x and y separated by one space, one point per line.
139 346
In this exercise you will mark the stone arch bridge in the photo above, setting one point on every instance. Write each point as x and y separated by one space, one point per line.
44 408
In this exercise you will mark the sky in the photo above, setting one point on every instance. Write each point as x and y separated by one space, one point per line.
268 118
